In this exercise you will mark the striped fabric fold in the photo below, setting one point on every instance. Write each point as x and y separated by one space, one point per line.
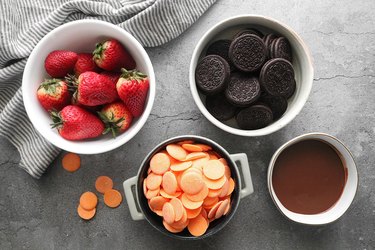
23 23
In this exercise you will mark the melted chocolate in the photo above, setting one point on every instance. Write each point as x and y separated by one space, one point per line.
308 177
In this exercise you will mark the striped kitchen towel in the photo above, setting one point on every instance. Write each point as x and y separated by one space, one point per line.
23 23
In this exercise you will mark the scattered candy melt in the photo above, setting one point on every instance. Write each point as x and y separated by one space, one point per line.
112 198
71 162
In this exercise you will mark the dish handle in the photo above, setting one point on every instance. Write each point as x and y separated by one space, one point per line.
130 199
245 172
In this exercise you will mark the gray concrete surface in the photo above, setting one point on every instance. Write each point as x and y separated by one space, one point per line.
41 214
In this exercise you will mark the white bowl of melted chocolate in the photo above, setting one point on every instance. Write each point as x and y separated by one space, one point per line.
313 179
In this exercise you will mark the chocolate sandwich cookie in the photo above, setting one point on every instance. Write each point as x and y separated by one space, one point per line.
221 48
212 74
277 77
271 49
254 117
277 104
292 89
219 107
242 89
280 48
247 53
250 31
267 39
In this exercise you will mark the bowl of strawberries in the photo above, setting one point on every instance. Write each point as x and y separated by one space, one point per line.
88 86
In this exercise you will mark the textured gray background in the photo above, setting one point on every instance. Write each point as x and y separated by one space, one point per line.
41 214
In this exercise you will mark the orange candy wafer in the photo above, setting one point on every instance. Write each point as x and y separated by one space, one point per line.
214 184
224 189
185 142
227 209
192 147
88 200
214 169
204 147
169 196
227 171
221 209
153 181
191 182
112 198
214 192
181 166
213 210
71 162
160 163
168 213
190 204
178 208
152 193
198 226
169 182
195 155
176 151
86 214
157 202
192 213
103 183
199 196
210 201
231 186
170 228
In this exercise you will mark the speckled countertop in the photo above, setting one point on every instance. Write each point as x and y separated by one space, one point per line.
41 214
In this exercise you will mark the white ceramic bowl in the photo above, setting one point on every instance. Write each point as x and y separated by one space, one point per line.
81 36
347 196
302 63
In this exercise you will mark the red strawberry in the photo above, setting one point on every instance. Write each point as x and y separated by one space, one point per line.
114 76
132 87
53 94
116 117
112 56
93 89
85 63
92 109
75 123
59 63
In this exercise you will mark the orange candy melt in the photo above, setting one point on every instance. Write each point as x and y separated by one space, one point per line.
160 163
103 184
71 162
189 185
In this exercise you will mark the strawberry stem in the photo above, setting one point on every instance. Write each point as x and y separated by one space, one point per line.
132 74
56 119
50 85
110 124
97 53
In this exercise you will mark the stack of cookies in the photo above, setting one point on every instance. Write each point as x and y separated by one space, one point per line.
249 77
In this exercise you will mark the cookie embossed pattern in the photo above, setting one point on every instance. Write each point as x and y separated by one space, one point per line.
274 67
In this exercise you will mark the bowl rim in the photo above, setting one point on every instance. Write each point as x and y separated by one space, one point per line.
236 131
117 142
236 176
289 143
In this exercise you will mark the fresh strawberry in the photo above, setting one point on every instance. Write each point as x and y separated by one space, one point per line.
132 87
93 89
75 123
113 76
112 56
92 109
59 63
85 63
53 94
116 117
